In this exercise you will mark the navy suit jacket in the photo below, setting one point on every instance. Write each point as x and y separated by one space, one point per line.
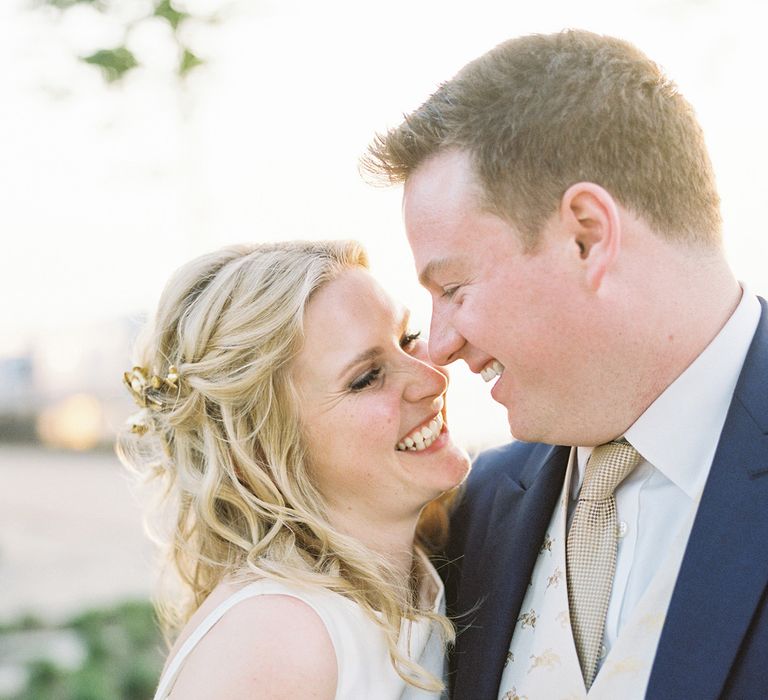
714 643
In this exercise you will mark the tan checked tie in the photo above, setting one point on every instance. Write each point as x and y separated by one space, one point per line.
591 549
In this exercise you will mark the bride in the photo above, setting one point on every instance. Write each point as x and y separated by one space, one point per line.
299 434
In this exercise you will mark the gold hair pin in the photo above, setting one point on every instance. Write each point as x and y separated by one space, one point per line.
139 423
145 389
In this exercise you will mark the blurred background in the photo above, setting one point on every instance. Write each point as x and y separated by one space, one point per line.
136 134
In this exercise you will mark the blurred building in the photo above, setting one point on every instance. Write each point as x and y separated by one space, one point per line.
18 398
66 387
16 384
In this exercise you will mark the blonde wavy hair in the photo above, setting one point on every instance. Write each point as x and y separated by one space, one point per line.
225 441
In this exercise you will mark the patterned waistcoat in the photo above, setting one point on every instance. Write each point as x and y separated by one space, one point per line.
542 661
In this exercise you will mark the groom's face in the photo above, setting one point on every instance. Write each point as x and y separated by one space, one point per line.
494 305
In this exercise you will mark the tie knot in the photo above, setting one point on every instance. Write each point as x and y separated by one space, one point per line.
608 466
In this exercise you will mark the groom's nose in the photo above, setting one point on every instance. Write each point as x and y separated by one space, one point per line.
445 341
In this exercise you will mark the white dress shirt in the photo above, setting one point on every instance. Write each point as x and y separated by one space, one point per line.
677 437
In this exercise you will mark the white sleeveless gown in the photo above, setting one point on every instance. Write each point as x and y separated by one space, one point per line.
365 671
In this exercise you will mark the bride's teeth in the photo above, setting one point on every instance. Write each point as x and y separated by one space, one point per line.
423 437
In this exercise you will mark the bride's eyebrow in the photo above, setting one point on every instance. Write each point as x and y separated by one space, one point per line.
363 357
376 351
405 320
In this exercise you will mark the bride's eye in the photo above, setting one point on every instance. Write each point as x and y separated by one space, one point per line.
366 380
409 338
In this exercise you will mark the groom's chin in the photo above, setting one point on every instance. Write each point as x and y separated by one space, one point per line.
517 430
522 427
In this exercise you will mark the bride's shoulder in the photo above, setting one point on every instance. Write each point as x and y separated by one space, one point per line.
271 644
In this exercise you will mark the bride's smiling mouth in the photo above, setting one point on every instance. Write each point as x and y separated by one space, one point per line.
423 436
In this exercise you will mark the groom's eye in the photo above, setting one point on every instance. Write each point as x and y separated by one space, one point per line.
449 291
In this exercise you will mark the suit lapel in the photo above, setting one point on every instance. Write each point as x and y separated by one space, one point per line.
725 568
517 520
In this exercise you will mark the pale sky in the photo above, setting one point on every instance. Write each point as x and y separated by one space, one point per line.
104 190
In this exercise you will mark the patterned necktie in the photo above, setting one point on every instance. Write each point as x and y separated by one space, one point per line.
591 549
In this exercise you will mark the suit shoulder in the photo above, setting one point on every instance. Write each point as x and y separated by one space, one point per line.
515 461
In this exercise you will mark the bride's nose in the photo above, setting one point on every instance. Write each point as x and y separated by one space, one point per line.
425 380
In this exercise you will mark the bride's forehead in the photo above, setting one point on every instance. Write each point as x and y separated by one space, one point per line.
351 317
353 295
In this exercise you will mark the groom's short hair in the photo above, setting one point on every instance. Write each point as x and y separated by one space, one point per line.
539 113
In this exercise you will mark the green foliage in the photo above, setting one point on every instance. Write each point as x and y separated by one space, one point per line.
124 658
188 62
23 624
114 63
65 4
43 674
168 12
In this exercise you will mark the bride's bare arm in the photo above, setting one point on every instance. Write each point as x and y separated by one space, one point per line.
269 646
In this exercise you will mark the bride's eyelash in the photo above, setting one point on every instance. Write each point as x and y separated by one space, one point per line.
373 374
408 338
366 380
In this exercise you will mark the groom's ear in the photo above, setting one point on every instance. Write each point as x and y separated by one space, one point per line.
591 220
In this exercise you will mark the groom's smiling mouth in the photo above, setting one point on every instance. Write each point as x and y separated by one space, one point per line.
492 370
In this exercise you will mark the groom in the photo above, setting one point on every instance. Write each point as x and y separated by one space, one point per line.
562 212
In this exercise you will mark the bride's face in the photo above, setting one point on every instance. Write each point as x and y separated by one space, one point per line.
373 406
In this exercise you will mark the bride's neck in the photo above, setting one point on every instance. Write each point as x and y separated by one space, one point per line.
392 540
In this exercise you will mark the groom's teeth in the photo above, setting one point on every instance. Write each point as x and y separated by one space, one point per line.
492 370
423 436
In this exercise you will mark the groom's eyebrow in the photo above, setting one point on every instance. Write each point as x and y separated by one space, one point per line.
434 268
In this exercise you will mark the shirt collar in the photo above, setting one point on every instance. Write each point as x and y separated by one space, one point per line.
679 432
